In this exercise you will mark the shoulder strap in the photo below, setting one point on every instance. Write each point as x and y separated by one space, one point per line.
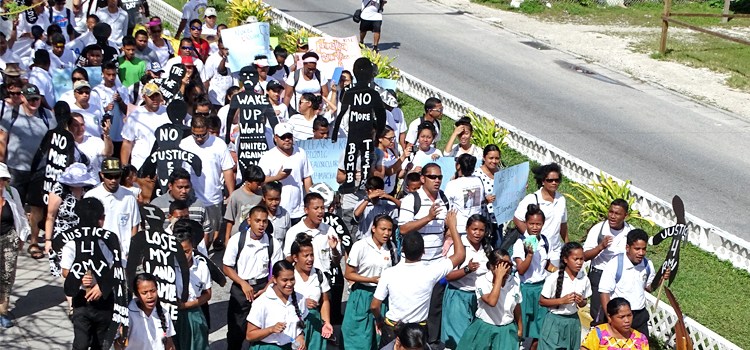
598 332
618 274
317 77
444 198
648 268
537 199
243 236
417 202
270 249
50 14
546 243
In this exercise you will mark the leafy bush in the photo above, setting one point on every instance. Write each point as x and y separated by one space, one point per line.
486 132
596 197
386 69
290 39
239 10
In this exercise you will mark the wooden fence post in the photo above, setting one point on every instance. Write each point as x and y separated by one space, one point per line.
725 11
665 26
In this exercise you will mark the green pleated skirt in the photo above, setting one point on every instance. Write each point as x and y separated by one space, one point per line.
313 326
560 332
459 308
484 336
531 312
192 330
266 346
358 327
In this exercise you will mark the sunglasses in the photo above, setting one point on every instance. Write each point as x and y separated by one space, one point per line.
83 92
34 99
196 28
186 47
201 114
556 180
201 136
437 110
286 136
111 176
434 177
14 93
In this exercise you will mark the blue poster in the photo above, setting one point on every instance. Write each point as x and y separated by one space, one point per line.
245 42
388 84
448 169
510 188
324 157
63 83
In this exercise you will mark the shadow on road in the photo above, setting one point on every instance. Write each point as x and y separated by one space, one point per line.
38 299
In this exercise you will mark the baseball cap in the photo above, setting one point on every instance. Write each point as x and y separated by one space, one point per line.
156 67
188 60
282 129
261 62
81 84
150 89
4 173
111 165
274 85
210 11
30 90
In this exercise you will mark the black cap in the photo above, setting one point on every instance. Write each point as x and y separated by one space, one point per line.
274 85
111 165
30 90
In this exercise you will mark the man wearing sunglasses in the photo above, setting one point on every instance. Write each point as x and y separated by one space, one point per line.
186 50
193 9
92 113
121 214
138 132
201 46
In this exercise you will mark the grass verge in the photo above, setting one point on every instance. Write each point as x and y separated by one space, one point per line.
704 286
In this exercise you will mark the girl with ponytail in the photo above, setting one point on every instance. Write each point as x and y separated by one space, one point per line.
497 325
459 300
149 326
314 287
276 320
367 259
564 293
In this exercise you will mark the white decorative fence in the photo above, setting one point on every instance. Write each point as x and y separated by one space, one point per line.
724 245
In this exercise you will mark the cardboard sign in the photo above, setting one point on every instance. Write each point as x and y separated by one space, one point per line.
58 148
62 83
245 42
335 52
171 86
158 253
679 233
254 109
90 259
510 188
337 223
324 157
169 156
388 84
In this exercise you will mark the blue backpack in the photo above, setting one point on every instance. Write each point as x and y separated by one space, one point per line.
618 274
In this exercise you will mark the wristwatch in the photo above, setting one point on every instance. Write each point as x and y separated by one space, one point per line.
467 270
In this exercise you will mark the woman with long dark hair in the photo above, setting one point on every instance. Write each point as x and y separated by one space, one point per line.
491 164
149 326
314 287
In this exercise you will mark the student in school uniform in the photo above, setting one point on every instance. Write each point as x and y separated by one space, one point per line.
459 300
564 293
191 325
324 238
531 258
377 202
278 216
498 325
148 326
409 285
366 262
314 287
247 258
604 242
276 321
629 276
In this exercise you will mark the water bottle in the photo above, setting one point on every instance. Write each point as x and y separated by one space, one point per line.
295 345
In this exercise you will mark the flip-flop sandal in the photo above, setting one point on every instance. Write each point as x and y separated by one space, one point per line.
35 252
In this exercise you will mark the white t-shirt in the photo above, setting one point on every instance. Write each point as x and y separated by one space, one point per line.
555 214
200 279
146 332
118 21
468 282
268 309
163 53
218 85
465 195
303 128
253 262
369 260
632 283
617 246
193 9
216 159
408 287
313 288
389 159
67 60
473 150
371 10
292 192
62 19
43 80
433 233
120 213
93 148
537 271
303 86
178 60
411 134
510 296
92 117
320 235
25 27
118 122
580 285
140 128
397 122
422 158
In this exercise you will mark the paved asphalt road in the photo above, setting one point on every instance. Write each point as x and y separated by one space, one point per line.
664 143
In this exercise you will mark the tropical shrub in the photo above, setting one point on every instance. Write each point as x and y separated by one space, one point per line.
486 131
386 69
596 197
290 39
239 10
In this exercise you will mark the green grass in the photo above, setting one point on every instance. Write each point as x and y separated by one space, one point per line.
710 291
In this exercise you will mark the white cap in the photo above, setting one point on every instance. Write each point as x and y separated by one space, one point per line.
210 11
4 173
282 129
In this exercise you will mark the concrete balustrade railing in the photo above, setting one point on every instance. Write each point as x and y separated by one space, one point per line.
724 245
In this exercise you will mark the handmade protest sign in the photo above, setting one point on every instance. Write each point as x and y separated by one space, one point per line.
679 233
365 113
58 149
245 42
510 188
388 95
337 223
388 84
97 253
171 86
157 253
335 52
62 83
324 157
169 156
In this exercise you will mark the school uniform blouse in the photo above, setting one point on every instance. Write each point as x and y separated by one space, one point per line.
312 288
422 158
536 272
200 279
320 235
580 285
268 310
408 287
468 282
368 259
253 262
510 296
146 332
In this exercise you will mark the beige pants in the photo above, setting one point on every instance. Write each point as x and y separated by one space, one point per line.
8 260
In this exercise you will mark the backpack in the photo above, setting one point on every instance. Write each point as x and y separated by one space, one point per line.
418 200
68 16
620 259
294 87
